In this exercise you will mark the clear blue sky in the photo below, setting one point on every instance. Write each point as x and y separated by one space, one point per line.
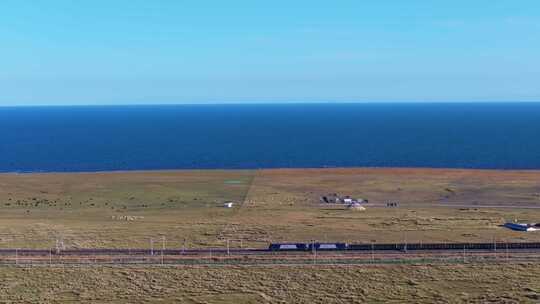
180 51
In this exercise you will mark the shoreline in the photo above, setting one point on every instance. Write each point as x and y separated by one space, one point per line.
281 169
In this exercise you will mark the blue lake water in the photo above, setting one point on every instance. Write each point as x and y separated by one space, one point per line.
473 135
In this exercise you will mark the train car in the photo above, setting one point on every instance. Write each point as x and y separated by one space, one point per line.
327 246
363 247
288 247
534 245
399 247
359 247
481 246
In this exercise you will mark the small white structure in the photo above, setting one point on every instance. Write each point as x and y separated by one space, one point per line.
356 207
228 205
348 201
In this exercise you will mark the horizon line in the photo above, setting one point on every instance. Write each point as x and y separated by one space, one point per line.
263 103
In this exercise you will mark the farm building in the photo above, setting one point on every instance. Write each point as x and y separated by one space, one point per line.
522 226
334 198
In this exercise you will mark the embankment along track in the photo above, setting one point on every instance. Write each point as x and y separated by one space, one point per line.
385 253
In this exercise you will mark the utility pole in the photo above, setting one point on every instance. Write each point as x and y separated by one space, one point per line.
162 248
507 258
151 247
59 245
372 250
228 251
314 251
16 256
404 241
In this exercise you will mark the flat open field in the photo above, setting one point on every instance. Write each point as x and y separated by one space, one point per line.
469 283
127 209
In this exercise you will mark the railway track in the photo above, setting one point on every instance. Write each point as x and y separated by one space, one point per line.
277 258
285 248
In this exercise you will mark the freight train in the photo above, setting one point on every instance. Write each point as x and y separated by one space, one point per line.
400 246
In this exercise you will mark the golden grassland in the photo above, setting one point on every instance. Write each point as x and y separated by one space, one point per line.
127 209
468 283
88 210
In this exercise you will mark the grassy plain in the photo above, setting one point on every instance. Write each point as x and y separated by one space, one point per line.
434 205
469 283
117 209
127 209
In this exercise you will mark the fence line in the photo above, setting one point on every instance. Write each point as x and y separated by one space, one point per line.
280 259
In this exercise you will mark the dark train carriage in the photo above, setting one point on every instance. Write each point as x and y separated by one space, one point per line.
360 247
480 246
534 245
390 246
455 246
328 246
413 246
288 247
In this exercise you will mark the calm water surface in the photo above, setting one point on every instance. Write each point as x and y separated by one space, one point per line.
496 135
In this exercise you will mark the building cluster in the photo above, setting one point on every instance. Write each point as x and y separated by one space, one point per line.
334 198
